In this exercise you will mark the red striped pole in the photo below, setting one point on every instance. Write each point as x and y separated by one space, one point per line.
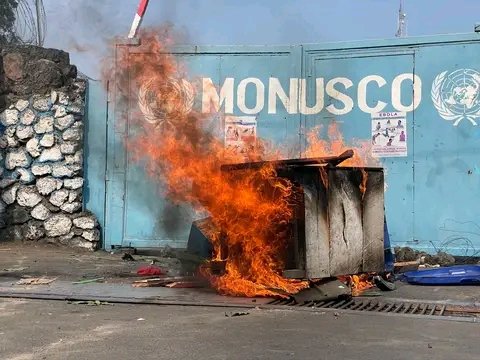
137 20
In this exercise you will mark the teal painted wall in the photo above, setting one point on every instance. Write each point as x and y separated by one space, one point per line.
431 198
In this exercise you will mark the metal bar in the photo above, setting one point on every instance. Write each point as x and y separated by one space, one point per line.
424 310
307 303
363 306
442 310
407 308
371 306
357 306
397 310
137 20
344 306
38 6
434 308
415 307
389 307
337 305
330 303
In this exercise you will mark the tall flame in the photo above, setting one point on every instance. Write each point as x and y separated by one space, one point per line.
335 144
182 153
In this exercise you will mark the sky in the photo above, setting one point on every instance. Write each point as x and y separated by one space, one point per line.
83 27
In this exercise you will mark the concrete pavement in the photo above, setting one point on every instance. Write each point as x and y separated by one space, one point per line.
31 329
67 266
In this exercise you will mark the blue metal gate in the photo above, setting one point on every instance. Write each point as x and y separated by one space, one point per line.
432 191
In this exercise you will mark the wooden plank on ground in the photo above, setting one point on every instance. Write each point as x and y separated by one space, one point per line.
186 284
153 282
345 220
373 223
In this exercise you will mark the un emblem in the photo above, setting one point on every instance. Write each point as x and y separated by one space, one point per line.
163 103
456 95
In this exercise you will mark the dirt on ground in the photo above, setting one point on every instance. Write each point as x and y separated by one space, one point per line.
19 260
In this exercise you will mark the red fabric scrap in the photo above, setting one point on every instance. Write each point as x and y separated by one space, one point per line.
150 270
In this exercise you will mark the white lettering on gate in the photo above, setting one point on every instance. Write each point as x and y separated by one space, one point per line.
296 100
241 96
397 92
334 93
319 98
211 97
362 94
275 90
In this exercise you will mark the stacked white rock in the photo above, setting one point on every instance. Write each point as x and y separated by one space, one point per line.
41 170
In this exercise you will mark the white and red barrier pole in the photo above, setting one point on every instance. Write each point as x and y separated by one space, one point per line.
137 20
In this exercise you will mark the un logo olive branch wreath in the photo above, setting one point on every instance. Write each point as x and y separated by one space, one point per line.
443 110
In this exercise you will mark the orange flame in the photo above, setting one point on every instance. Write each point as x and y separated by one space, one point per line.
359 283
335 145
252 208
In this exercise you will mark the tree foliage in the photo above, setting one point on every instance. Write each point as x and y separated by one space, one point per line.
7 20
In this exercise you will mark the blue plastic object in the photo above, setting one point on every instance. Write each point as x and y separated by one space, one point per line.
454 275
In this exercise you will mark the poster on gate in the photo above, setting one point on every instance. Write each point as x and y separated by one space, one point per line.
240 133
389 134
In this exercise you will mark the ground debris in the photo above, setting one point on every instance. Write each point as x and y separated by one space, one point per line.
407 254
89 302
15 269
404 266
150 270
88 281
36 281
384 284
236 313
323 290
185 284
158 281
128 257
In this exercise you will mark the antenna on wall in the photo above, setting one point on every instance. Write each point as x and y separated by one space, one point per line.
402 22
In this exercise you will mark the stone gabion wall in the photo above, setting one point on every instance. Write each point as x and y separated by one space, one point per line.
41 150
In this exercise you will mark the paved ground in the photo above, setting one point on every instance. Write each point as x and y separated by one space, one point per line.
72 265
58 331
68 266
33 329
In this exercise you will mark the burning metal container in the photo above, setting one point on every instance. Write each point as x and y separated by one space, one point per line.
338 223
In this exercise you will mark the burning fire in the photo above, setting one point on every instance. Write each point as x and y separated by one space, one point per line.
318 147
359 283
336 145
183 154
251 207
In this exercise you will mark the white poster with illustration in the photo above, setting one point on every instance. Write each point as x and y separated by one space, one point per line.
389 134
240 133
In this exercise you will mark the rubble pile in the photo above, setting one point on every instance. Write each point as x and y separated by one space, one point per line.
41 150
406 254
